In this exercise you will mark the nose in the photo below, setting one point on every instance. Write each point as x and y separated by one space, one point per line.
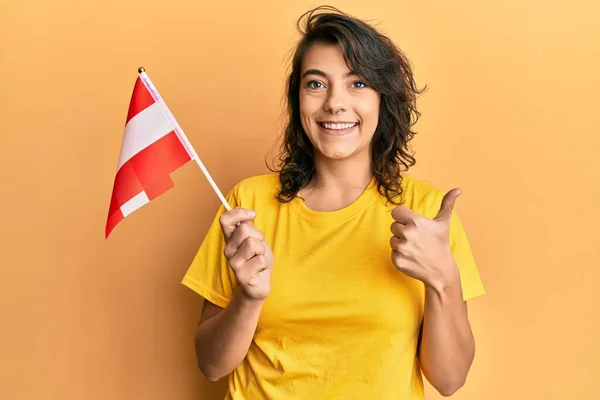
336 101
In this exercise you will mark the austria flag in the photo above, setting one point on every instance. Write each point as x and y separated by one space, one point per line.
152 148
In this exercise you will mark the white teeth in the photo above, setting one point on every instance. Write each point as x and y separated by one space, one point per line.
346 125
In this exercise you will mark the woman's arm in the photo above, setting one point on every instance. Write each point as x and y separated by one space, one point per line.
421 250
447 346
224 335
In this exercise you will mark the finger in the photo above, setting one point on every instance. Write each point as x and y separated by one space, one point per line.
397 244
233 218
400 230
405 215
447 205
252 268
240 234
249 248
394 243
398 260
245 222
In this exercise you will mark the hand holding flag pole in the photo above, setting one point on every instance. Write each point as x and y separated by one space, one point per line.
154 146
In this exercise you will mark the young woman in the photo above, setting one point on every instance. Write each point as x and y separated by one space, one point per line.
338 277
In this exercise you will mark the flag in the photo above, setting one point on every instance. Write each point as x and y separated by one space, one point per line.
153 147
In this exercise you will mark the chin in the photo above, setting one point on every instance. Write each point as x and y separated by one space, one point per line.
337 153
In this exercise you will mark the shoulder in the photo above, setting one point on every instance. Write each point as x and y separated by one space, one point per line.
421 196
258 189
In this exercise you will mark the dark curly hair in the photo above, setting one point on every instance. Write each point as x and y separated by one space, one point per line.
375 58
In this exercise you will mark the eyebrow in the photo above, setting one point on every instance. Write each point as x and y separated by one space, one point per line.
321 73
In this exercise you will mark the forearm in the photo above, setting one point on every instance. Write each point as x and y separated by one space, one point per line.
447 345
223 340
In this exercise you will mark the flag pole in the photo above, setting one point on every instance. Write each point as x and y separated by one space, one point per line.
180 134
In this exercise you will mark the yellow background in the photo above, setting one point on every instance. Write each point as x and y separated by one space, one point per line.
511 116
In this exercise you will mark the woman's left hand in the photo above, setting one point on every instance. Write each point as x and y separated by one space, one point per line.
421 246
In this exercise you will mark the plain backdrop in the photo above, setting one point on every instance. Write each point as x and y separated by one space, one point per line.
511 116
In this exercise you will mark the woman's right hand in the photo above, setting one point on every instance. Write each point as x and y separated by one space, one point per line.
249 256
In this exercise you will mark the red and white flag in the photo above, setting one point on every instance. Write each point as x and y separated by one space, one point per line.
153 147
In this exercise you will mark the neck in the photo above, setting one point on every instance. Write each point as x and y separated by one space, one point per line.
343 174
336 183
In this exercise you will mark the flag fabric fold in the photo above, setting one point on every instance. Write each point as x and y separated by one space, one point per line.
151 149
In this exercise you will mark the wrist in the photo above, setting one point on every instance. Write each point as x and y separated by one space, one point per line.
445 281
247 301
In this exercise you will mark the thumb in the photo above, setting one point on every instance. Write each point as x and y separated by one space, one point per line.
447 206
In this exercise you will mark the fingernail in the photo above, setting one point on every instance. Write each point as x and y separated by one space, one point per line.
251 213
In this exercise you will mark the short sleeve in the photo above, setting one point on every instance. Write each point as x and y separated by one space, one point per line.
472 285
209 274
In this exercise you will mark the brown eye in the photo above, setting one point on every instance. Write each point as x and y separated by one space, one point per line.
314 85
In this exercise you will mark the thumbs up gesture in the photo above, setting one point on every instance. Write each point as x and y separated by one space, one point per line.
421 246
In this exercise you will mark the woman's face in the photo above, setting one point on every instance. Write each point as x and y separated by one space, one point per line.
339 112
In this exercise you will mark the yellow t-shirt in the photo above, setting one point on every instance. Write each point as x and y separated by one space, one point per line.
340 322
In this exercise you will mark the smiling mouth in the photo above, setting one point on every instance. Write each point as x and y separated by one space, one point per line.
338 126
